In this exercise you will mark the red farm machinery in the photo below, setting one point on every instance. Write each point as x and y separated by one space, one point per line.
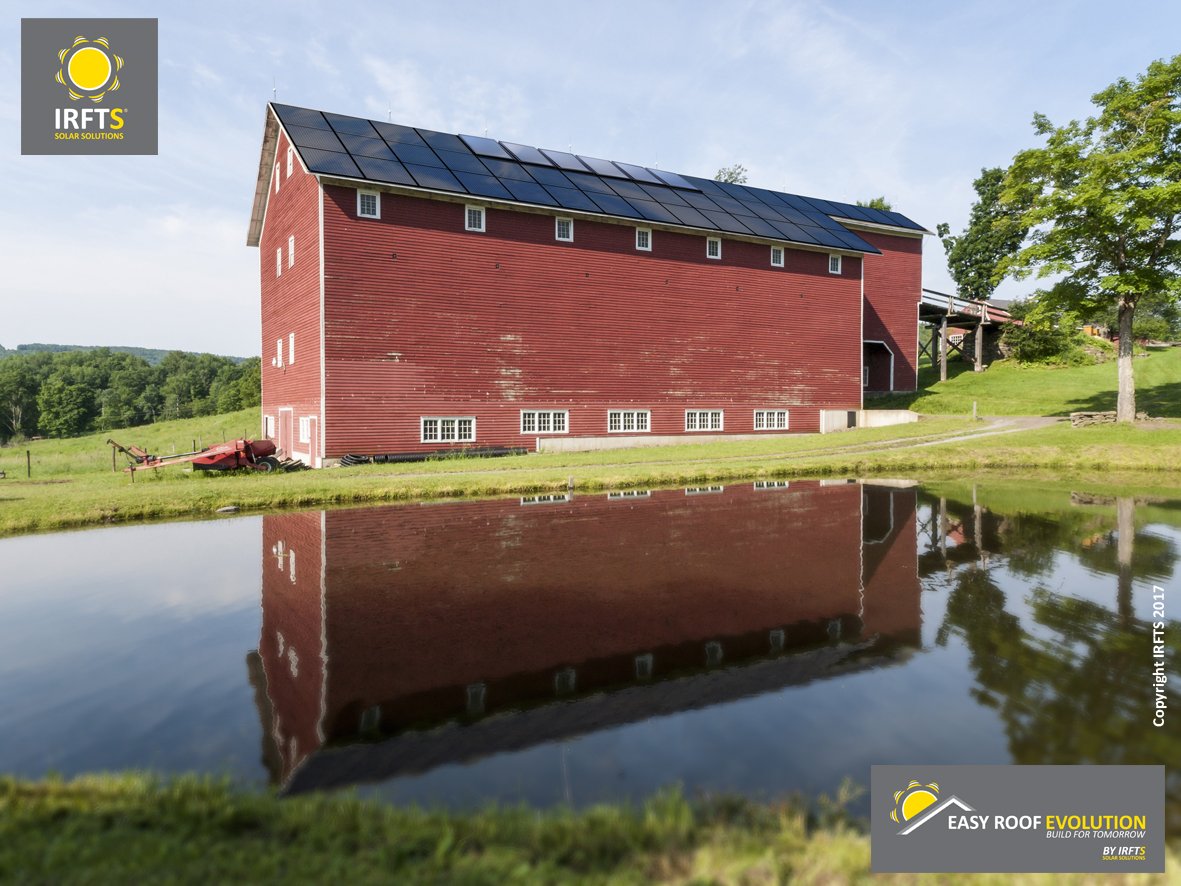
258 455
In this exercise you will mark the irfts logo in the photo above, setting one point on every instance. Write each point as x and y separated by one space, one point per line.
917 803
89 69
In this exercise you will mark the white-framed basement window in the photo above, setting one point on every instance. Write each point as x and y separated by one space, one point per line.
473 218
777 256
564 229
771 419
834 264
644 239
290 160
291 251
448 429
713 247
703 419
545 421
368 204
305 429
629 421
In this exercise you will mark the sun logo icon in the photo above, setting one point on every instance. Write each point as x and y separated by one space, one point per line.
89 69
912 800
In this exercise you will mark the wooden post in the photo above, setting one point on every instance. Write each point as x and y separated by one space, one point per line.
943 348
113 471
28 464
978 363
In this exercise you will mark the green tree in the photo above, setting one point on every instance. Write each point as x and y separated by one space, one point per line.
65 406
1104 200
876 203
734 175
995 232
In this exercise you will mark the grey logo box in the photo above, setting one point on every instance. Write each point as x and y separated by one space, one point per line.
1053 819
55 64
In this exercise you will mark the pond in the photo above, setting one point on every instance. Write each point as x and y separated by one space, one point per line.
761 638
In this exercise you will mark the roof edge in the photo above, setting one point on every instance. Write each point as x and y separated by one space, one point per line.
887 229
262 188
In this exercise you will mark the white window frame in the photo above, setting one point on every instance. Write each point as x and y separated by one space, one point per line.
834 263
279 262
291 251
532 421
621 426
648 232
376 195
697 420
710 243
777 252
276 176
290 160
558 229
769 420
279 352
440 429
291 348
305 429
467 218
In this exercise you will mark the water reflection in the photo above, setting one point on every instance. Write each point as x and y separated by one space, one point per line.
397 640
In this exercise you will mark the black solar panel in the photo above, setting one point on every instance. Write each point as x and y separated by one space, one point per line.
486 147
333 144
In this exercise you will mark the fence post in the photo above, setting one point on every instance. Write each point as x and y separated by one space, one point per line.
28 464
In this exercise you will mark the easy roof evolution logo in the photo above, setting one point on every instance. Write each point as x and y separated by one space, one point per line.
75 98
917 803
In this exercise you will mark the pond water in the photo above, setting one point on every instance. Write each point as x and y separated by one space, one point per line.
760 638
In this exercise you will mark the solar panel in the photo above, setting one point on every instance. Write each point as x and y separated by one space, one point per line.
526 154
564 160
548 177
602 167
725 221
366 147
292 116
690 216
613 204
592 184
639 173
664 195
398 135
419 155
654 211
507 169
485 147
698 200
355 125
435 177
321 139
630 190
571 198
852 240
761 226
671 178
793 232
390 171
484 185
329 162
729 204
529 192
442 141
462 162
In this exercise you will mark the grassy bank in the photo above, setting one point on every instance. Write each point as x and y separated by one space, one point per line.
73 485
131 828
1008 388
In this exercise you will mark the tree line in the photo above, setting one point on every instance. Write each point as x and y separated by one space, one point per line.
63 394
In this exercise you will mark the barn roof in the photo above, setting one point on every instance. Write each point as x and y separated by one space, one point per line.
337 146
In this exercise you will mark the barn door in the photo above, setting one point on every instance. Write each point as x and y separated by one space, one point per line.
313 442
284 442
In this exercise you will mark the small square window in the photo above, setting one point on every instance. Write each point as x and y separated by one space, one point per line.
713 247
368 204
777 256
291 251
279 262
834 264
474 218
564 229
290 160
644 239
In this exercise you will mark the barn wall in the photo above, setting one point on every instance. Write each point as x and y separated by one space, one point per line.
893 287
291 302
424 318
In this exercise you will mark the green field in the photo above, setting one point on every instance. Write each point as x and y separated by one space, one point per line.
1008 388
134 829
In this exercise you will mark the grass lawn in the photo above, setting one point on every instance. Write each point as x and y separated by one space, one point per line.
133 829
1007 388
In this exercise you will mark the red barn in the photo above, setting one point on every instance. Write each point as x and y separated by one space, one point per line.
422 290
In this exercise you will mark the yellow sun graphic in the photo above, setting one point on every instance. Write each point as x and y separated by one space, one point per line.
913 799
89 69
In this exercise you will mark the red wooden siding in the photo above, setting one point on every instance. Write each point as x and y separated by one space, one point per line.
422 601
893 287
424 318
291 302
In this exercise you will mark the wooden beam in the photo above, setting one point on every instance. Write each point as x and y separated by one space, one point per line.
943 349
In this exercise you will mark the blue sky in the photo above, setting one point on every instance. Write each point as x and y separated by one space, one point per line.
845 100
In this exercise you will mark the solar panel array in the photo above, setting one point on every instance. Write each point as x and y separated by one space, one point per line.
387 153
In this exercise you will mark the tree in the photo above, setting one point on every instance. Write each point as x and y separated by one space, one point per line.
994 233
1104 201
734 175
876 203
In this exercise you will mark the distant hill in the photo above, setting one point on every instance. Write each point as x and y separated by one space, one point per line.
152 355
